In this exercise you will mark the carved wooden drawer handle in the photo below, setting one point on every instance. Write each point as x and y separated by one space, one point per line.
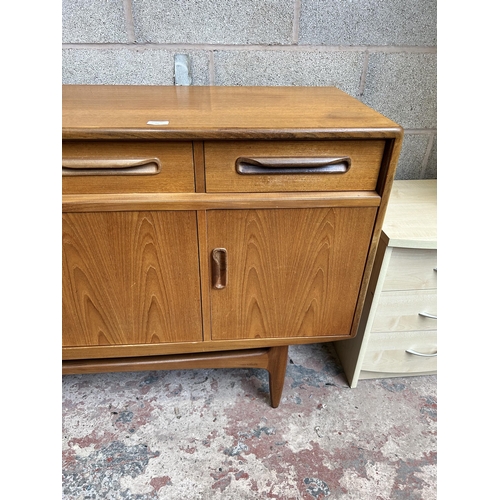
116 166
219 268
292 165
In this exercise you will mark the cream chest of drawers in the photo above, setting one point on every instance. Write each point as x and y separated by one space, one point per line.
397 335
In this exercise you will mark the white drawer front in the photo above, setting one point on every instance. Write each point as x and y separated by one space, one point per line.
387 352
411 269
405 311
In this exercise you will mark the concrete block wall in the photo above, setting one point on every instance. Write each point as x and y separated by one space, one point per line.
383 52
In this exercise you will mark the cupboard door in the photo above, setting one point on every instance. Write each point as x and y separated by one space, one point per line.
287 272
130 278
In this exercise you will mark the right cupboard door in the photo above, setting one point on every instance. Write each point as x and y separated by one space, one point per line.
284 273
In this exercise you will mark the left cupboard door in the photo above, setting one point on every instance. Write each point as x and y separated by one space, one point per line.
130 278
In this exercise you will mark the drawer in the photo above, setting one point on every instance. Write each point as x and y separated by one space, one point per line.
127 167
402 311
411 269
386 352
273 166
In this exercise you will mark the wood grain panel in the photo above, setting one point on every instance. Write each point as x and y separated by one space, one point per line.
411 269
399 311
205 201
130 350
386 352
411 218
291 273
197 112
176 160
130 278
221 176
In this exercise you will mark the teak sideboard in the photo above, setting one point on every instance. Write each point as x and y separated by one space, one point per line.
208 227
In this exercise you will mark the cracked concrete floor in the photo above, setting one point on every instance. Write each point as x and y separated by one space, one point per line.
211 434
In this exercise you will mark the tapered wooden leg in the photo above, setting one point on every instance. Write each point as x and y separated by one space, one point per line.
277 362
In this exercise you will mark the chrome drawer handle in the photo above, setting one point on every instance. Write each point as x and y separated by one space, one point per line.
416 353
427 315
292 165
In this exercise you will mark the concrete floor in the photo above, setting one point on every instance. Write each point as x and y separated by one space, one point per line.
211 434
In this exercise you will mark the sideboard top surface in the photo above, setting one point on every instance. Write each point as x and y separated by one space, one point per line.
411 217
212 112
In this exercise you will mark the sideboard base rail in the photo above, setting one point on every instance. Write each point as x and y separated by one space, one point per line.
272 359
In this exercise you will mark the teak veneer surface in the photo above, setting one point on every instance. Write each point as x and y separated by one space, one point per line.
174 158
138 271
130 277
116 111
220 158
210 201
280 284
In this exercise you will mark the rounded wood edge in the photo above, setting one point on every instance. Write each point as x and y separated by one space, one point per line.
201 134
210 201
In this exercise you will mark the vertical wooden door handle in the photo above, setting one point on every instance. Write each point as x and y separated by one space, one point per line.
219 268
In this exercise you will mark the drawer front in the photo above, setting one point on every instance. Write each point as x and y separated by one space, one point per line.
263 166
411 269
98 167
386 352
403 311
